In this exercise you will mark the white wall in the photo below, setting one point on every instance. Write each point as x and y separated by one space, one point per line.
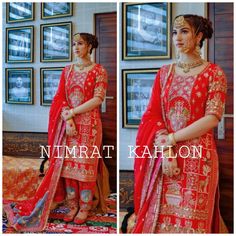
128 136
34 117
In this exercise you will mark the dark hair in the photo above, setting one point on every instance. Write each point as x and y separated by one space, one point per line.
200 24
90 39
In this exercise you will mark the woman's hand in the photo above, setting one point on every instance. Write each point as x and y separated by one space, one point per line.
71 128
162 141
67 114
169 165
131 223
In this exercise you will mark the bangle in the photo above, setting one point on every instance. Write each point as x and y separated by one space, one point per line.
166 153
171 138
72 112
176 171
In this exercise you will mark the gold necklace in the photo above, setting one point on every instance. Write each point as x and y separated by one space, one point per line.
82 66
187 66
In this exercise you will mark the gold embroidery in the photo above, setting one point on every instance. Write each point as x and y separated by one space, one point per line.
80 173
202 201
176 227
100 92
101 81
76 97
172 195
218 86
191 165
84 119
188 225
166 225
199 94
189 199
101 78
178 116
215 106
206 169
192 181
203 185
184 212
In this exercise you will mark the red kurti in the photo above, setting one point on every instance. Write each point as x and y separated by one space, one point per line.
183 203
79 88
74 89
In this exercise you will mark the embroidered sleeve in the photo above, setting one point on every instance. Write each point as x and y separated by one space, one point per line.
216 94
101 84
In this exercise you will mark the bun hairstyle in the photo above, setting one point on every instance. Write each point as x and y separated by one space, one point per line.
200 24
90 39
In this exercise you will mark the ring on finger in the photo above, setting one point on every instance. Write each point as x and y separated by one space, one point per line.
176 171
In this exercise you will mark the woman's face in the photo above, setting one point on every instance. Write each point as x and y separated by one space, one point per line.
80 47
183 38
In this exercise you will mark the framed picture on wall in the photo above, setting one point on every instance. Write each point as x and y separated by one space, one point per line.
55 42
49 81
19 44
56 9
19 12
137 87
19 85
146 30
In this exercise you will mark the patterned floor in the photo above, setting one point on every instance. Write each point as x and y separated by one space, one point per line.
96 223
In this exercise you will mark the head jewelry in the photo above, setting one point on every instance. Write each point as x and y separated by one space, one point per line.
77 37
179 22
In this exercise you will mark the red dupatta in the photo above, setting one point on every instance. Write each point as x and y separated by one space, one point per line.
151 123
32 215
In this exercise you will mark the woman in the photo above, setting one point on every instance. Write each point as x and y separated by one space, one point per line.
74 125
178 190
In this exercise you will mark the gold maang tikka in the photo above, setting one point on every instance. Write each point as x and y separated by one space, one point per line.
76 37
179 22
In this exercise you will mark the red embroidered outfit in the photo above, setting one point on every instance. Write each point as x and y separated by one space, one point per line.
75 88
188 202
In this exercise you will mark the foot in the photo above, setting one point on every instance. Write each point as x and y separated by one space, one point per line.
81 216
70 215
54 205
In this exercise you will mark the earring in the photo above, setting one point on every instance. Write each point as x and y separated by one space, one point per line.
177 55
89 56
198 50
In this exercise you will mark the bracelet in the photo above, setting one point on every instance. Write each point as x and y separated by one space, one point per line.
66 112
171 138
72 112
176 171
166 153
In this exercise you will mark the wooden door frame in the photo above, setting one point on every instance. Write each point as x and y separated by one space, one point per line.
113 13
212 48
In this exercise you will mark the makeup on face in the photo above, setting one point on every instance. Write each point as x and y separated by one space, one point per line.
183 38
80 47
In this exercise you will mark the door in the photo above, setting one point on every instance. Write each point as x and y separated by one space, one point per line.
221 53
105 31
